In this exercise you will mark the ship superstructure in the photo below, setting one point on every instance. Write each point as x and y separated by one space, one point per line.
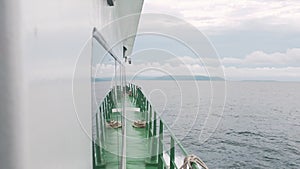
52 116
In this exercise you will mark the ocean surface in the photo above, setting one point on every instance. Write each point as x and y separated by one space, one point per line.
232 125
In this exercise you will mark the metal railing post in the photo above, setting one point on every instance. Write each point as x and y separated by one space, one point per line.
172 154
96 145
102 125
150 122
154 124
154 140
160 150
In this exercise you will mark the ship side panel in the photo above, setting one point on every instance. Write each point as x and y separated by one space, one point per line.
56 46
10 88
45 81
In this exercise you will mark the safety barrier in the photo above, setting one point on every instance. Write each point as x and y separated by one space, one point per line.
164 150
163 146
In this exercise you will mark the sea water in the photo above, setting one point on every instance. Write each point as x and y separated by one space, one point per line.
259 126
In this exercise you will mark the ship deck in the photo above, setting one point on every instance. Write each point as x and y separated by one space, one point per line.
154 146
136 142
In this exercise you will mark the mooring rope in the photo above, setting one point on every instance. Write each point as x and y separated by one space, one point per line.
139 124
114 124
190 160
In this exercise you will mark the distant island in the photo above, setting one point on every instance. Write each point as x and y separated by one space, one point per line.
260 81
176 77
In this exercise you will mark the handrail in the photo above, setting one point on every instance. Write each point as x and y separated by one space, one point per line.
104 115
144 104
124 132
99 37
155 128
174 137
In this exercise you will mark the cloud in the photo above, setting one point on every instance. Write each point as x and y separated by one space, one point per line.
264 73
255 26
255 66
291 58
221 15
282 66
179 66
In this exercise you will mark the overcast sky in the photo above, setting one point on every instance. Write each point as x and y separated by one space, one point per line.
256 40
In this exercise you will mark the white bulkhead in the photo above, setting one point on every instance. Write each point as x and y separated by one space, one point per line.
45 78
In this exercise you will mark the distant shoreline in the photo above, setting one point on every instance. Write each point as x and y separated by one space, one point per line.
168 78
187 78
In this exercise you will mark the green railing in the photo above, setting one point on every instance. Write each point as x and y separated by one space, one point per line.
104 115
162 145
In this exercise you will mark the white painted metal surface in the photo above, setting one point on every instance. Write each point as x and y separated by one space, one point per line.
45 83
10 86
134 109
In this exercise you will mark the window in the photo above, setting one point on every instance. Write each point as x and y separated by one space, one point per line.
110 2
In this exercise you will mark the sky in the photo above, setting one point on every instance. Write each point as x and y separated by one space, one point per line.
255 40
